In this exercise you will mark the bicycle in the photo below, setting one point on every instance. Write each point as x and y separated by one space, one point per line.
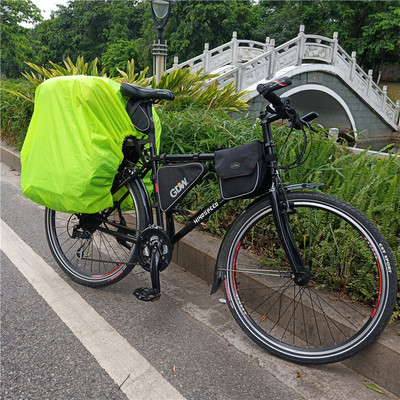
289 262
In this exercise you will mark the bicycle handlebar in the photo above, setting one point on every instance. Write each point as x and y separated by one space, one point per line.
282 107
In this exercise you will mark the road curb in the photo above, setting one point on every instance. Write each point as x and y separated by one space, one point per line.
197 253
10 157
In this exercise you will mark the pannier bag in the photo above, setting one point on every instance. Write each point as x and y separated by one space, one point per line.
73 146
174 181
241 170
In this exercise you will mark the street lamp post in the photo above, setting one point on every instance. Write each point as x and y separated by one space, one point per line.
160 11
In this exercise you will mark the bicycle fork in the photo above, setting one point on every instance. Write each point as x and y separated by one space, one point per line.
281 209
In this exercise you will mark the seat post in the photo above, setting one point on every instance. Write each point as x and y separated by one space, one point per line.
153 152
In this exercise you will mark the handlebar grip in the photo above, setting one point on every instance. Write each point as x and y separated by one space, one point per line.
267 89
309 117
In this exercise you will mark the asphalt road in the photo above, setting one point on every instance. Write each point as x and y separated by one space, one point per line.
61 340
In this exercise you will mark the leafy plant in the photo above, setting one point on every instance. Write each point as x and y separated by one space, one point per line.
40 74
131 76
189 88
79 68
192 88
371 184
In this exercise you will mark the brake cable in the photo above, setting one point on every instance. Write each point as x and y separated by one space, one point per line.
301 159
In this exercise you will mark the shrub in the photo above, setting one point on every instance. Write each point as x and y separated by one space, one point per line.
15 111
191 88
369 183
116 55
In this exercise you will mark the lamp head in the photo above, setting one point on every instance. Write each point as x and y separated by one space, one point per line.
160 8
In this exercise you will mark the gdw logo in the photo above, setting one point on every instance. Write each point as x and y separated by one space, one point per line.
178 188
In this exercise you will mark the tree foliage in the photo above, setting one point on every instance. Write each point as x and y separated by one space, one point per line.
116 55
90 29
15 46
195 22
381 37
114 31
355 21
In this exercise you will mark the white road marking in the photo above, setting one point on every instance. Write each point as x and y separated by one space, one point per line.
112 351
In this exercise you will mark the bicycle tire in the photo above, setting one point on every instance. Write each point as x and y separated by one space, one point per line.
93 257
327 320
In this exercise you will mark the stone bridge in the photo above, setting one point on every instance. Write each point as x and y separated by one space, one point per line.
325 79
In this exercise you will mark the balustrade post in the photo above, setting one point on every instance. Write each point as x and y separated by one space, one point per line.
334 48
272 59
234 49
353 64
384 98
369 82
206 58
176 62
239 78
266 44
301 45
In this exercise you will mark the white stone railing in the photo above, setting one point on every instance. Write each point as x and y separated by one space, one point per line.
248 62
229 54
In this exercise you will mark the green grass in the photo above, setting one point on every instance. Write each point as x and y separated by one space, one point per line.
393 90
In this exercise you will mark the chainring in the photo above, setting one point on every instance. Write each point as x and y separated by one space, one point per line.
149 237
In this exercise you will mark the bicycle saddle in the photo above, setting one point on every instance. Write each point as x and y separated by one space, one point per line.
140 93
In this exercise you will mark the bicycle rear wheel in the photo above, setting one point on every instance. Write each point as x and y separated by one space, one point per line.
86 246
344 306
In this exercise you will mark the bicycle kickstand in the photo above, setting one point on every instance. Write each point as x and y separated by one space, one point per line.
154 293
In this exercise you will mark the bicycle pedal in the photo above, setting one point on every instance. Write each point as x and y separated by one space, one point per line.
146 294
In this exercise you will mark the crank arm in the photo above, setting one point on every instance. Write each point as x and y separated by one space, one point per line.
153 293
155 270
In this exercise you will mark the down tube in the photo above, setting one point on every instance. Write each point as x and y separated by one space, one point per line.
200 216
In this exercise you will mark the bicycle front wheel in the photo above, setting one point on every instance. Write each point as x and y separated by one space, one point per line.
94 249
348 300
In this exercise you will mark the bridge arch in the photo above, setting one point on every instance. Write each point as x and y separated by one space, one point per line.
333 110
321 88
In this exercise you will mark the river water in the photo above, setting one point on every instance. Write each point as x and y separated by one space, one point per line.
378 146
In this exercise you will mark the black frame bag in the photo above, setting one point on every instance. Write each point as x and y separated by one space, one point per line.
174 181
242 171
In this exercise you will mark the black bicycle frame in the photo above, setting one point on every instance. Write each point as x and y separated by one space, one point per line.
279 203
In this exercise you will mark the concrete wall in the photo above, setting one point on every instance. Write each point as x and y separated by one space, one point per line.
391 73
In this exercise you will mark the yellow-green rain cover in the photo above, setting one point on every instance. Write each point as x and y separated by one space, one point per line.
73 146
